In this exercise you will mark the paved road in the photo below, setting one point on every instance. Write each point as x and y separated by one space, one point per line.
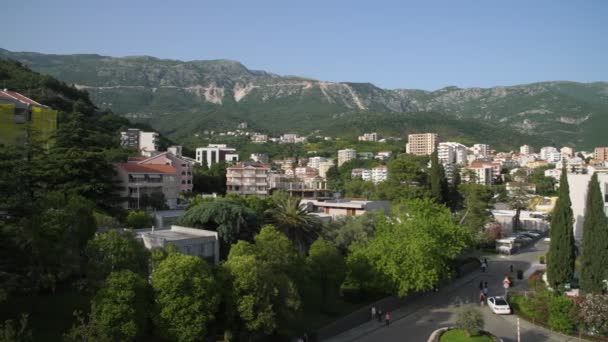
417 320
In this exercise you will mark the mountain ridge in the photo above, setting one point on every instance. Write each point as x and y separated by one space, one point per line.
147 88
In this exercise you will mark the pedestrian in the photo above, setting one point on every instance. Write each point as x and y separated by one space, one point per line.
373 312
485 289
480 285
482 298
379 315
483 267
485 261
387 318
511 268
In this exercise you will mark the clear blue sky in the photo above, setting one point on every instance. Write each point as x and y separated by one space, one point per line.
393 44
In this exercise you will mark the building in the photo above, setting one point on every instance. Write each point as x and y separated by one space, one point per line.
365 155
216 153
383 155
314 162
183 167
17 111
526 150
259 138
191 241
379 173
248 179
546 151
529 220
421 144
479 174
324 167
578 184
304 172
369 137
291 138
346 155
261 158
496 168
345 207
145 142
242 125
452 153
520 187
481 150
163 219
138 180
601 154
567 152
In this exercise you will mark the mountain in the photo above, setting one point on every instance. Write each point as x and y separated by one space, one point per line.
182 98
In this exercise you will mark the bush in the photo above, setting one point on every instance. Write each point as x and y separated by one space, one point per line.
470 320
535 281
593 312
562 314
139 219
542 259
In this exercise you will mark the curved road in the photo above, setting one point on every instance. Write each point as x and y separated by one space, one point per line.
417 320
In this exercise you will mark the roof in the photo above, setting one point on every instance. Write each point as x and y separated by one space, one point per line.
475 165
136 159
146 168
249 166
15 96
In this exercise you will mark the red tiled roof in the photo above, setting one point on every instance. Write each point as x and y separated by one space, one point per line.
136 159
147 168
12 95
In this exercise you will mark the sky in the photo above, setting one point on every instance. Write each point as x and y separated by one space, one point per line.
392 44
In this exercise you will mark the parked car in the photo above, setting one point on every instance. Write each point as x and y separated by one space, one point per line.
499 305
523 238
533 235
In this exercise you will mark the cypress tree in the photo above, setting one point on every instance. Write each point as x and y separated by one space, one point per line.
560 267
594 265
437 179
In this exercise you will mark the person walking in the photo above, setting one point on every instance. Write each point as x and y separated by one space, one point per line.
483 267
373 312
485 289
480 285
482 298
379 315
387 318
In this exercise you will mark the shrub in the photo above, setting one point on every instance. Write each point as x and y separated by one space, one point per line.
470 320
139 219
535 280
593 313
542 259
562 314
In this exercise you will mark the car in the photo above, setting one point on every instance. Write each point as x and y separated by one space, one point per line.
533 235
499 305
523 238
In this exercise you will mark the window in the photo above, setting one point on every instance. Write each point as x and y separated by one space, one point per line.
183 182
350 212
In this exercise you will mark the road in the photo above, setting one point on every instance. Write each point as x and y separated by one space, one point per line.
416 321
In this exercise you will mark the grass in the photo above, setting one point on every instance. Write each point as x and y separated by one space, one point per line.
457 335
50 316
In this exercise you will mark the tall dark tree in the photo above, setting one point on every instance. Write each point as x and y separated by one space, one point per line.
560 267
437 180
594 265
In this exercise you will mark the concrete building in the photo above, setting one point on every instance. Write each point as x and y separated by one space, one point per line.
529 220
578 184
546 151
526 150
304 172
481 150
369 137
137 180
421 144
600 154
145 142
314 162
452 153
345 207
248 179
567 152
191 241
515 187
346 155
259 138
182 167
479 174
324 167
379 174
164 219
216 153
291 138
261 158
383 155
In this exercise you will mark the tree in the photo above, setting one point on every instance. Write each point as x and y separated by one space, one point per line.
593 312
470 320
291 218
594 258
120 308
11 333
560 267
266 297
139 219
327 270
114 251
186 297
518 200
155 200
562 314
232 220
437 180
346 230
477 200
412 253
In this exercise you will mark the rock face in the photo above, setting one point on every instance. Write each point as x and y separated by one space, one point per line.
151 88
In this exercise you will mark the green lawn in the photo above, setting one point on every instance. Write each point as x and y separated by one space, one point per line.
50 316
457 335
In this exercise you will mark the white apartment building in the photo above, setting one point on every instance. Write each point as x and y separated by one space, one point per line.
567 152
248 179
314 162
259 138
452 153
578 184
346 155
291 138
383 155
379 174
145 142
481 150
216 153
480 174
259 158
545 151
421 144
554 157
368 137
526 150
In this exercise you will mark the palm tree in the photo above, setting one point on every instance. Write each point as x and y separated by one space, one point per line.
291 218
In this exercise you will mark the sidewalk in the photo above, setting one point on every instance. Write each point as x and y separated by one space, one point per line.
410 308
